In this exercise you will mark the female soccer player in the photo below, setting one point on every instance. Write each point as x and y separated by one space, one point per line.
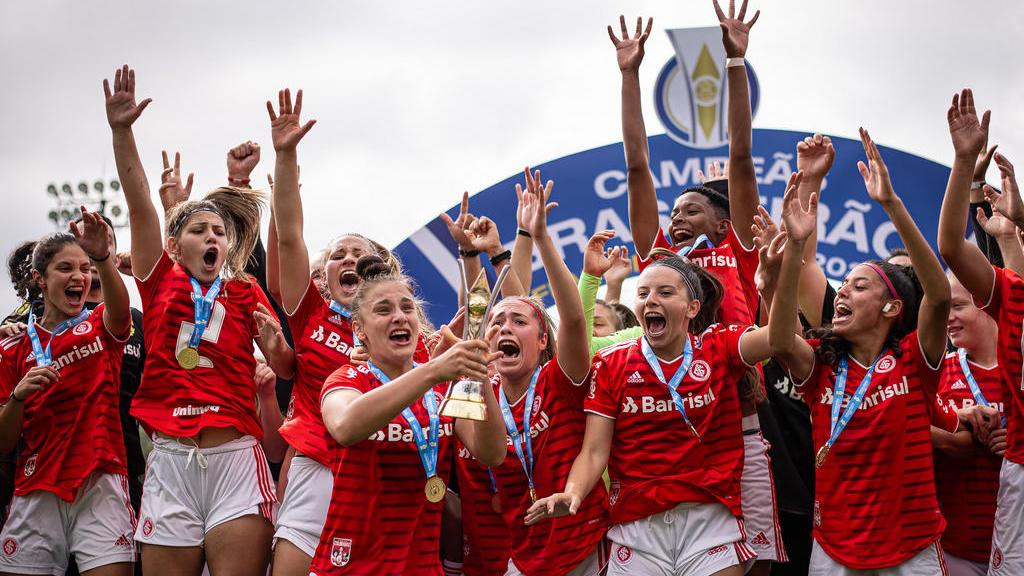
395 448
999 292
61 377
870 381
208 493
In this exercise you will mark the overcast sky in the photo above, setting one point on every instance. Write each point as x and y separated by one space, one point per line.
419 101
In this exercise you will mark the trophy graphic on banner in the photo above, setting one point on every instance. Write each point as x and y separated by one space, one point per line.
465 398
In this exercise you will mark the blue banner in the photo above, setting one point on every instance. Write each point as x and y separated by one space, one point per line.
590 188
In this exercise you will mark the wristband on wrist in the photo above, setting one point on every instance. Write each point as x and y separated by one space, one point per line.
15 398
734 62
97 260
468 253
238 181
499 258
522 232
977 184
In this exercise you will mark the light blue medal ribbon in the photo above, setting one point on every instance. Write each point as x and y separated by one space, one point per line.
965 367
427 447
203 306
840 417
677 378
42 355
513 431
702 239
343 310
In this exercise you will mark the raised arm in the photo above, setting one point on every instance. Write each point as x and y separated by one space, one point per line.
934 310
573 343
965 259
643 199
458 228
293 257
1006 235
596 262
483 234
522 250
814 157
172 190
122 112
743 196
97 239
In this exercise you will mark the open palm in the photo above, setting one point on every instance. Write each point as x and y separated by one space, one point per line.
285 128
629 51
122 110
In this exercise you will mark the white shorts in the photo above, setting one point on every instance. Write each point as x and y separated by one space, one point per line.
1008 533
757 487
958 566
189 491
42 530
593 565
928 562
307 496
691 539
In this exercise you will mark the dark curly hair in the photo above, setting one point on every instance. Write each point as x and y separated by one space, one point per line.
718 200
909 290
19 270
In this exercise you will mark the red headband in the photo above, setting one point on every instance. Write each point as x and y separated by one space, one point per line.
885 278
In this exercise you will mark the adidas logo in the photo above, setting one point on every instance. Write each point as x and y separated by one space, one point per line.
761 541
123 541
636 378
958 385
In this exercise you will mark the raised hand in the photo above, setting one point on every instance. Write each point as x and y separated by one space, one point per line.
93 234
814 156
799 222
1008 202
735 32
597 260
968 134
124 263
269 326
875 172
285 129
172 192
535 209
997 225
622 265
483 235
715 172
554 506
122 110
242 160
629 51
458 227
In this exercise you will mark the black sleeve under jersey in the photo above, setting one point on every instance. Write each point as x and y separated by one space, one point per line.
827 304
986 243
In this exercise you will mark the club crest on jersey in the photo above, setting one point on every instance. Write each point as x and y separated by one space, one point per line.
10 547
30 465
147 527
613 494
623 554
341 551
536 404
82 328
291 409
700 370
886 364
997 557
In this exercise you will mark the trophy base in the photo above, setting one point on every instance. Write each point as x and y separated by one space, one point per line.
465 409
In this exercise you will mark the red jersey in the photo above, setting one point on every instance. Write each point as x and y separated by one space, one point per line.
656 463
220 392
71 428
1006 306
487 541
734 266
323 343
875 505
967 489
379 521
557 423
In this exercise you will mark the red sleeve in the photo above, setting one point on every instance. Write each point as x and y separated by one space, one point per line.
939 413
660 241
349 377
604 397
310 304
258 298
576 391
746 267
811 386
9 376
148 286
1005 285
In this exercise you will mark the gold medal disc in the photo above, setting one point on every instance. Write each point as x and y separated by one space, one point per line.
819 458
434 489
188 358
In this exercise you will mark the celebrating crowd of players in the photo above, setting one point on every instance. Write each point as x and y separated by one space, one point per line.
617 441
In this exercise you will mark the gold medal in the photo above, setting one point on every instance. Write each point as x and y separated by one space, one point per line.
819 458
188 358
496 503
434 489
533 495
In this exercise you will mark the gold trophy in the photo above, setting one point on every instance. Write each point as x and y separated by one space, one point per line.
465 398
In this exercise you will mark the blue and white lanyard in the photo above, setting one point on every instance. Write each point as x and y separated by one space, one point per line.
677 378
965 367
838 423
702 239
343 310
203 306
42 355
513 431
426 447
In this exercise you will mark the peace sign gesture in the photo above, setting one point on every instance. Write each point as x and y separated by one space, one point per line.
735 32
630 51
122 111
285 129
